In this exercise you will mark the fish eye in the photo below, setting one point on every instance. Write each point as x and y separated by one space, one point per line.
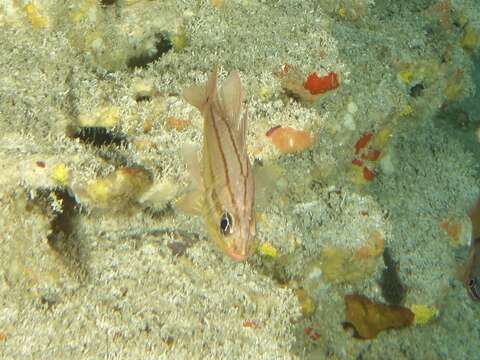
474 288
226 223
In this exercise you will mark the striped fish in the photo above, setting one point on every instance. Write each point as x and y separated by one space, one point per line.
224 176
471 277
472 274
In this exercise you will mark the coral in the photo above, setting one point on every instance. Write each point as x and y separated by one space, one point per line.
470 39
60 174
268 249
342 265
307 304
121 187
305 88
289 140
105 116
424 314
458 229
373 247
36 18
369 318
321 84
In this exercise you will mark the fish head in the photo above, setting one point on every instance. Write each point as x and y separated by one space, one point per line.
231 226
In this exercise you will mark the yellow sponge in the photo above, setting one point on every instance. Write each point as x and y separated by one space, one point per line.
423 313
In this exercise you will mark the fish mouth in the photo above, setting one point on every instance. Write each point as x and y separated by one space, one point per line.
236 254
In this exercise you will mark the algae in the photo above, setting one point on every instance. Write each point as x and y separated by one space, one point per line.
97 262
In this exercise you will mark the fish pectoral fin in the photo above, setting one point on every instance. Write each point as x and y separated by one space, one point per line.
190 203
190 156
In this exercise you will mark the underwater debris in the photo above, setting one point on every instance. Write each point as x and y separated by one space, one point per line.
393 290
369 318
363 141
321 84
368 174
368 151
305 88
289 140
307 305
173 123
250 324
121 187
373 247
312 333
341 265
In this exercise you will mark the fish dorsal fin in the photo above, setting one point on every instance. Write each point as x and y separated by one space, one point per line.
231 99
200 95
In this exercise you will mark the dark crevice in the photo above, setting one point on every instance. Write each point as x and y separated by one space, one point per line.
99 136
393 290
63 222
162 46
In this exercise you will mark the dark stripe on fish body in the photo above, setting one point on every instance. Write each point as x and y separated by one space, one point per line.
224 160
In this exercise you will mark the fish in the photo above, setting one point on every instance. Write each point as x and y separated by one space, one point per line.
472 273
471 278
223 177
